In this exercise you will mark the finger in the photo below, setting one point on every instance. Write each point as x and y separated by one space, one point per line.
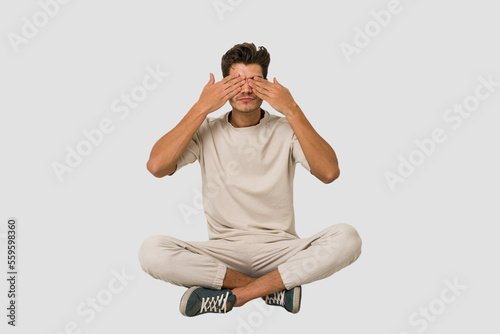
238 82
276 82
230 78
263 85
261 93
232 94
212 80
231 82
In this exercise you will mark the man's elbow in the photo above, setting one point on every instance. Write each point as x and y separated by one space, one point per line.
155 169
332 176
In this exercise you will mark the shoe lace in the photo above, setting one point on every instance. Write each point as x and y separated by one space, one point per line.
215 303
276 298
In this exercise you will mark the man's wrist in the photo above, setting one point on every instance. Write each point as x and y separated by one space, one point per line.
201 109
293 111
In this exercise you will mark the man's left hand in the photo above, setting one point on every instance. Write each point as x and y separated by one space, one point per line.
277 95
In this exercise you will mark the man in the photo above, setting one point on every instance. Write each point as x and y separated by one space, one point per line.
247 158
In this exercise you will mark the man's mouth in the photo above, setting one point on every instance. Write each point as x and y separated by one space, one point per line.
246 99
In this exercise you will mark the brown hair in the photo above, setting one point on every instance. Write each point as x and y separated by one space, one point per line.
246 53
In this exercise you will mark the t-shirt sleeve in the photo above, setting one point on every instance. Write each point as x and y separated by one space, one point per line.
192 152
298 154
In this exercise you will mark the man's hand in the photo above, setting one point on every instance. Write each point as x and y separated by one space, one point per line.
215 95
319 154
277 95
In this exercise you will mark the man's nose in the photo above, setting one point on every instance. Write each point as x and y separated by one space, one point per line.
246 87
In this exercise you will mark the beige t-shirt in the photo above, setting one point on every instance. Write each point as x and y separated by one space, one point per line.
247 177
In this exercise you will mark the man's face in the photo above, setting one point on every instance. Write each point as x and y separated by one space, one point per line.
246 101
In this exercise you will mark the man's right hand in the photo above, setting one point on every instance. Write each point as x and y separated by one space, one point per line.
169 148
216 94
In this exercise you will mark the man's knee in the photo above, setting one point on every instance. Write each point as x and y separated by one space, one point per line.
351 235
348 236
153 255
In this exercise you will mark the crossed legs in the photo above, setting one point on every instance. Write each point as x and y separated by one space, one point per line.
278 266
246 288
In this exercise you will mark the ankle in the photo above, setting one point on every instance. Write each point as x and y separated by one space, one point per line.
240 297
234 279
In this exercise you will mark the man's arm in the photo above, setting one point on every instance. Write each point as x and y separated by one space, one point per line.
167 151
319 154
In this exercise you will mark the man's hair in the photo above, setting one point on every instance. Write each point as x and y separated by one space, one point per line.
246 53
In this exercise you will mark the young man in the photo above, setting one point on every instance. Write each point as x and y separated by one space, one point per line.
247 158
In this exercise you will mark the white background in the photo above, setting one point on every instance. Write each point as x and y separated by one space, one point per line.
440 224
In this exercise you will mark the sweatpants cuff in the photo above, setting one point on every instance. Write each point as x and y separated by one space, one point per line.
219 277
285 277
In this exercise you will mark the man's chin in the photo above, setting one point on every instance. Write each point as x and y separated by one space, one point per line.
246 107
246 111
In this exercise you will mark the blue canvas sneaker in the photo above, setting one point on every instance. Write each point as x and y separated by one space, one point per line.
289 299
198 300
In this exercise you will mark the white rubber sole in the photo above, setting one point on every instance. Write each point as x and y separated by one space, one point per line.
297 292
185 298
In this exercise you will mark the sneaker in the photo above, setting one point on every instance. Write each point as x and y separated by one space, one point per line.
289 299
198 300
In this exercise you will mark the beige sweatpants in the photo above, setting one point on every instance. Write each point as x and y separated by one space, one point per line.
204 263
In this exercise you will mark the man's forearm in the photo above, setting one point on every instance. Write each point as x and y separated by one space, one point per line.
319 154
167 151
